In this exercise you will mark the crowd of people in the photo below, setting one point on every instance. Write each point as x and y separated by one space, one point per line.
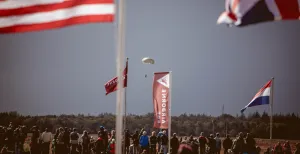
68 141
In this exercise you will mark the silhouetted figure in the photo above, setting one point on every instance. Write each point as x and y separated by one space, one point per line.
287 148
127 140
34 141
46 138
227 144
174 144
211 144
135 138
238 146
99 144
85 143
218 143
250 144
153 143
164 142
202 142
74 136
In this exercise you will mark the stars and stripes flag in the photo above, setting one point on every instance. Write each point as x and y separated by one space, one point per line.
247 12
35 15
262 97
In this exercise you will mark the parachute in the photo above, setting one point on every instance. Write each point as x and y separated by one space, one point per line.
148 60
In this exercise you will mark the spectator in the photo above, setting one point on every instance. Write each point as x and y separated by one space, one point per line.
135 139
104 133
46 138
85 143
174 144
227 144
287 148
218 143
278 149
164 142
112 143
74 136
153 143
238 146
127 140
144 141
99 144
66 140
202 142
211 144
60 142
35 140
250 144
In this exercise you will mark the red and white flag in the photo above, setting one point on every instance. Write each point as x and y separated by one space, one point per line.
34 15
112 85
161 84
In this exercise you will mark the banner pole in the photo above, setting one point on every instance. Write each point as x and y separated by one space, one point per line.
170 109
119 64
271 111
125 108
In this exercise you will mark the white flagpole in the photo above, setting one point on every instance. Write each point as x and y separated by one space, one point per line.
170 108
271 111
120 63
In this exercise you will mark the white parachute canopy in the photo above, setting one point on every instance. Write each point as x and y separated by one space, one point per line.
148 60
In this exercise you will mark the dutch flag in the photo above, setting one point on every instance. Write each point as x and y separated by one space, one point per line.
262 97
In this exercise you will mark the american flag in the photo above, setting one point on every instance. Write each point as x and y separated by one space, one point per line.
35 15
249 12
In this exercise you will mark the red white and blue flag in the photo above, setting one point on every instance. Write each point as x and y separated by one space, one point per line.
34 15
247 12
262 97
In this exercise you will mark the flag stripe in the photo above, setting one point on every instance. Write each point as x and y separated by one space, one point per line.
49 7
58 24
32 15
289 9
62 17
235 4
259 101
14 4
261 91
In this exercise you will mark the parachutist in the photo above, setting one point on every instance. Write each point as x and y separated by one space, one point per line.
145 75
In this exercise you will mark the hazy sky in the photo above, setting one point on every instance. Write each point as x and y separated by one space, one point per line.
63 71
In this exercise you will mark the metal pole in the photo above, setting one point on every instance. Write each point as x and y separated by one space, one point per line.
120 62
170 108
271 111
125 109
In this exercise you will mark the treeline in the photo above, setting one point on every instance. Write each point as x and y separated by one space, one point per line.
284 126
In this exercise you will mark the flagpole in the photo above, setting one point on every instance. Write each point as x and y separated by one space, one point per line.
125 108
271 111
170 108
120 62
